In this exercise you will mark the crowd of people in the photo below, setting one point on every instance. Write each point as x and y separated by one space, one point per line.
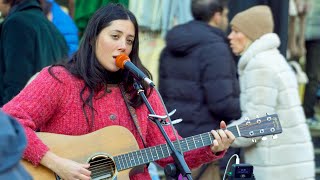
58 78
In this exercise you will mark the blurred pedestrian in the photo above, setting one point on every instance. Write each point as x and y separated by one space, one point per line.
269 85
198 75
64 24
28 42
312 45
12 145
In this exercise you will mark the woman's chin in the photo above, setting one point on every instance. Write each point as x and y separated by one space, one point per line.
235 52
112 69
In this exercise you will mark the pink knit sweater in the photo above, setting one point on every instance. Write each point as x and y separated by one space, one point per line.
55 107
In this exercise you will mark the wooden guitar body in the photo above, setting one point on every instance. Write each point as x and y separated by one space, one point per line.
113 152
98 146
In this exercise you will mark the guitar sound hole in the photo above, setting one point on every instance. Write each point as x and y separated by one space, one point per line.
101 167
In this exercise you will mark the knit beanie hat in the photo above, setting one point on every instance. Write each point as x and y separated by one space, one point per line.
254 22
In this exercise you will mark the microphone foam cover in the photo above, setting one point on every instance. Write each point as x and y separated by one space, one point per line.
121 59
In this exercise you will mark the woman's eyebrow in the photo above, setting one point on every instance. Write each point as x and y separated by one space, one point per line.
118 31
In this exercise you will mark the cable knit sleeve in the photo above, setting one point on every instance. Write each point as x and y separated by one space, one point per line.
34 106
193 158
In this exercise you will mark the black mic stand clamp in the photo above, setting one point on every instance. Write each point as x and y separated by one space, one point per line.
179 165
162 119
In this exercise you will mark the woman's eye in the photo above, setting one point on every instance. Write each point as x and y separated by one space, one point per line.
115 36
129 41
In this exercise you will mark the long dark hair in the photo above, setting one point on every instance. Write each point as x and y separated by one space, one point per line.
84 63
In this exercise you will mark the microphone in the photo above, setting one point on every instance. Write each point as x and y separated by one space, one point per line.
123 62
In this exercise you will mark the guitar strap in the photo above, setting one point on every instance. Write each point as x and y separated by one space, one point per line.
132 111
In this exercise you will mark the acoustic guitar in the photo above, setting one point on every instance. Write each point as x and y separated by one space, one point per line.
113 152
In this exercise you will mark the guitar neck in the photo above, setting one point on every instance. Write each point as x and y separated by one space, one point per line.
144 156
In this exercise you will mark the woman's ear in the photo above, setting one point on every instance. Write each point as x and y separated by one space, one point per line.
215 19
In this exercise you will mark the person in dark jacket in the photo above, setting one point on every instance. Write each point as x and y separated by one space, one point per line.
64 24
28 42
12 145
197 74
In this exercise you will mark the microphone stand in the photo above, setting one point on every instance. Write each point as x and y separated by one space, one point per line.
180 165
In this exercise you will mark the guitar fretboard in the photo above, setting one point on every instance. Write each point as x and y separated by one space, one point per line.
144 156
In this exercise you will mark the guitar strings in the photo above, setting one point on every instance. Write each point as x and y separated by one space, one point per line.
101 171
108 167
158 149
127 161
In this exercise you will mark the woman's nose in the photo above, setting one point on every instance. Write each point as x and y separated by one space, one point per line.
122 45
230 35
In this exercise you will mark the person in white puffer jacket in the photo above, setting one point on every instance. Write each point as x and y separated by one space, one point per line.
268 85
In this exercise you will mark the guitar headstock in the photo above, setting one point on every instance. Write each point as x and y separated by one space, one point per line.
260 126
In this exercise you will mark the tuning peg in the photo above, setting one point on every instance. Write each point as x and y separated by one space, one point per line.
259 121
248 121
268 117
264 138
254 140
274 136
